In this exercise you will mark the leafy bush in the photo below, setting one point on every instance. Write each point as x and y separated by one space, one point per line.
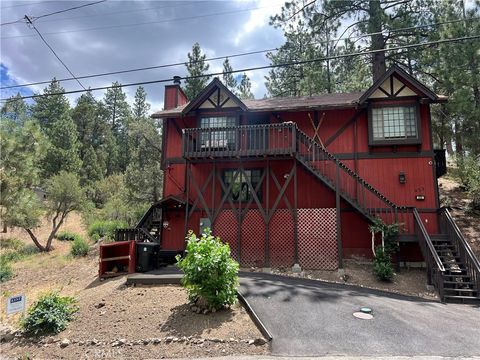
6 272
66 236
382 265
50 314
12 243
105 228
79 247
210 272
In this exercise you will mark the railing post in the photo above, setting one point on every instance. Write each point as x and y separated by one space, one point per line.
294 139
338 214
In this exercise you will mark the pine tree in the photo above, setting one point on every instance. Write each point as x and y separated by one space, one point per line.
63 152
228 79
244 88
15 109
48 109
196 66
140 105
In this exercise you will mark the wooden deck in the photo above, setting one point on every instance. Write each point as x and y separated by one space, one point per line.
162 276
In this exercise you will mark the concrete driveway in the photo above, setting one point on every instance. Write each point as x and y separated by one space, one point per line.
312 318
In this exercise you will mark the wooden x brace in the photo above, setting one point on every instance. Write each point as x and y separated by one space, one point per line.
316 130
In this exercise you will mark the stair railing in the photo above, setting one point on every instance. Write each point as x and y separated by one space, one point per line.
354 189
435 268
137 234
449 227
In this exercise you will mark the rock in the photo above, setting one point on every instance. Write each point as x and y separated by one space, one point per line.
146 341
259 342
64 343
93 342
100 304
224 351
216 340
156 341
194 308
231 340
169 339
214 310
6 333
205 312
251 342
198 311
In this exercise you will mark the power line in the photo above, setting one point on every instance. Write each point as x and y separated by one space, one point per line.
34 18
53 51
227 56
27 4
140 24
293 63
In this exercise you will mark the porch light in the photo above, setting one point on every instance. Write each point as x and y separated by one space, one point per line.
165 224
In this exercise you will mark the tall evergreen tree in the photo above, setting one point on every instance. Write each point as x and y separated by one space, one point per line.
49 108
244 88
228 79
15 109
140 106
196 67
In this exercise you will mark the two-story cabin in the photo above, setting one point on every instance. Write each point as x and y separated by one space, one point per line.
297 181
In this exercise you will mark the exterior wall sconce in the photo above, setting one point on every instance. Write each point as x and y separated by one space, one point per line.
285 176
166 224
402 178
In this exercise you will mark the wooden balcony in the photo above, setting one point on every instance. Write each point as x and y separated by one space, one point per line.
239 141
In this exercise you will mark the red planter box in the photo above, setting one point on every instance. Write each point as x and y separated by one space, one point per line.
117 258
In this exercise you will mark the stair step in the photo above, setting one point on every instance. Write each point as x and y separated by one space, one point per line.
462 298
459 282
439 237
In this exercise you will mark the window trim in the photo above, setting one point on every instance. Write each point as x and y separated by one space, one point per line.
260 190
410 141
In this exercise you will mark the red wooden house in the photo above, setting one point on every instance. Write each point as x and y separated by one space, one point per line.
297 181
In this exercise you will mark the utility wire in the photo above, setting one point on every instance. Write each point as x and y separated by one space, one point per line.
34 18
27 4
142 23
29 21
293 63
226 56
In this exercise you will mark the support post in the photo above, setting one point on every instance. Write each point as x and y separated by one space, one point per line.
295 216
267 217
187 194
338 215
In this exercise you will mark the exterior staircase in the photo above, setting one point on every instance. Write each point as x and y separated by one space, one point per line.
451 265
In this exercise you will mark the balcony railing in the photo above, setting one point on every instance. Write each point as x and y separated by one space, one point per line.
240 141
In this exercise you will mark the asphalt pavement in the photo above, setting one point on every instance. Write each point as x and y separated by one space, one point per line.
314 318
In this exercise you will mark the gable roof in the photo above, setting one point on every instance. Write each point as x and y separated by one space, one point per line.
214 85
406 78
305 103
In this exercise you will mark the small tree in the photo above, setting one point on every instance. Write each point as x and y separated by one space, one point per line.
64 195
211 276
382 264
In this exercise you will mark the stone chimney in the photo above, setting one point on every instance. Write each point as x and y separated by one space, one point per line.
174 95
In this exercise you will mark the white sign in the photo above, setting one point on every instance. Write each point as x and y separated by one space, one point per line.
15 304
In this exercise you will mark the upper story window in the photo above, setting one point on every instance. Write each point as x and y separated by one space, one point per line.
217 136
394 125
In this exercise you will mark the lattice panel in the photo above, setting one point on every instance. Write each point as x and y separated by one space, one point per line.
226 226
253 240
282 243
317 239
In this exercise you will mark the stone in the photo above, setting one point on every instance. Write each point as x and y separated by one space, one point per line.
296 269
259 342
100 304
251 342
64 343
156 340
169 339
216 340
214 310
93 342
6 333
205 312
175 339
146 341
430 288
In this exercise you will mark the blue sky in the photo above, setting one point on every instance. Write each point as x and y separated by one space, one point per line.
8 81
95 39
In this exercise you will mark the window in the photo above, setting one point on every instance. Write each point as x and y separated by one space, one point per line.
240 189
220 138
394 123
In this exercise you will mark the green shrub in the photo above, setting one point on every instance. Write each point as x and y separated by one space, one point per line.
6 272
382 265
105 228
80 247
95 237
66 236
19 254
50 314
12 243
210 272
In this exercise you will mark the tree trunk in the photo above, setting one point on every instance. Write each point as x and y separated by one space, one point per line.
378 42
35 240
55 228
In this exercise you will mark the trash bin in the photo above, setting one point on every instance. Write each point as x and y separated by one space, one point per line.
147 256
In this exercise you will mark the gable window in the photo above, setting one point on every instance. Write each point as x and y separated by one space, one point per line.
240 190
215 134
394 125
